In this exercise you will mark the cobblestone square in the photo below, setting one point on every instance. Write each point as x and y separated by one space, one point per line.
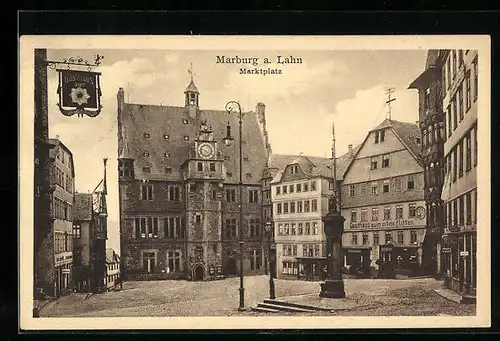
371 297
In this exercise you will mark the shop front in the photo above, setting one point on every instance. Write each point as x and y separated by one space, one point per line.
311 268
357 261
460 272
398 260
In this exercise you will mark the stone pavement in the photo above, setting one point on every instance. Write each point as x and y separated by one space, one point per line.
449 294
376 297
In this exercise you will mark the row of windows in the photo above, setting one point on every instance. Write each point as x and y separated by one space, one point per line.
113 266
361 189
111 279
299 229
254 228
308 250
462 210
297 206
174 193
63 242
434 134
173 261
301 187
387 235
149 227
62 210
60 178
454 161
412 210
455 110
375 161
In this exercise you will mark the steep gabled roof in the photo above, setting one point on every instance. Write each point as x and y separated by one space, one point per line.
406 132
167 127
111 256
82 209
54 151
311 165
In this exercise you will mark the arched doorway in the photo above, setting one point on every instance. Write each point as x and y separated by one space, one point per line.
231 267
198 272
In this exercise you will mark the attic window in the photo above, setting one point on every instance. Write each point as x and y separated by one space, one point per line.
248 175
168 170
186 138
229 174
145 135
167 154
166 136
146 154
227 157
419 140
146 170
185 121
245 158
382 135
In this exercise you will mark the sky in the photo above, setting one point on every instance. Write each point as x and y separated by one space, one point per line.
344 87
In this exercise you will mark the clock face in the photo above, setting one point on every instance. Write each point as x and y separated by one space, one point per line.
420 212
206 150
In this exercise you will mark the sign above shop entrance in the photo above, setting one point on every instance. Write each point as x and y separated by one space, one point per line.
384 224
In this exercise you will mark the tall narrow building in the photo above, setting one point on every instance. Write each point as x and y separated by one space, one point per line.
460 75
178 190
431 122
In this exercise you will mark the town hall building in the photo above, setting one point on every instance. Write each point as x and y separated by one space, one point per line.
178 190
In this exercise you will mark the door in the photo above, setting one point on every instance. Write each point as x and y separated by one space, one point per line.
231 268
198 273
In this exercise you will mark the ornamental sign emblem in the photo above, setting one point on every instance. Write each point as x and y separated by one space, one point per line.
79 93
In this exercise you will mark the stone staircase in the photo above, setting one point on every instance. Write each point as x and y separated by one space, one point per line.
276 306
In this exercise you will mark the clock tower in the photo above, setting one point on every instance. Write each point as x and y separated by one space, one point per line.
203 180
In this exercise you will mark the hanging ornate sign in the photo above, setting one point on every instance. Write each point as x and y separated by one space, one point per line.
79 93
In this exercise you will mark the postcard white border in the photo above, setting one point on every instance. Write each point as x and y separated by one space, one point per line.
27 45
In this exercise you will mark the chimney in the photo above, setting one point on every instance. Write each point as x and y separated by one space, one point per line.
349 148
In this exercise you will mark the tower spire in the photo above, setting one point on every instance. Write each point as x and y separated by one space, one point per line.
190 71
389 92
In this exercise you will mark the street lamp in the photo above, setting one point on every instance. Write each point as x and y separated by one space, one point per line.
228 140
272 294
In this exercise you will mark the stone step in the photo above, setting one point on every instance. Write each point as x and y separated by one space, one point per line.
294 305
284 308
264 310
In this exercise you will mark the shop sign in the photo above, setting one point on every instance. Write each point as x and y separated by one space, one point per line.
353 251
384 224
464 253
446 250
79 93
66 271
386 249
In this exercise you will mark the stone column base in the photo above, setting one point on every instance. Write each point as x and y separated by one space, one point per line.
332 288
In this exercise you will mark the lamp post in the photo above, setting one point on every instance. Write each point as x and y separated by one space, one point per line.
272 294
230 107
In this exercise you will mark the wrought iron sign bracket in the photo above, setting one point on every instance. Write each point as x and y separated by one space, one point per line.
78 61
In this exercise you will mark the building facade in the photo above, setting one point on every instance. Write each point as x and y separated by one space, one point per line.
112 269
55 257
460 77
431 122
82 241
178 190
383 200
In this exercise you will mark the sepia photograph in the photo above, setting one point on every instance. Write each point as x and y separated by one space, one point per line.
254 182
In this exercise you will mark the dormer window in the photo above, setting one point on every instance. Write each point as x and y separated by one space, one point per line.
145 135
186 137
249 175
427 99
146 154
419 140
376 137
166 136
294 169
184 121
167 155
146 170
382 135
168 170
245 158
